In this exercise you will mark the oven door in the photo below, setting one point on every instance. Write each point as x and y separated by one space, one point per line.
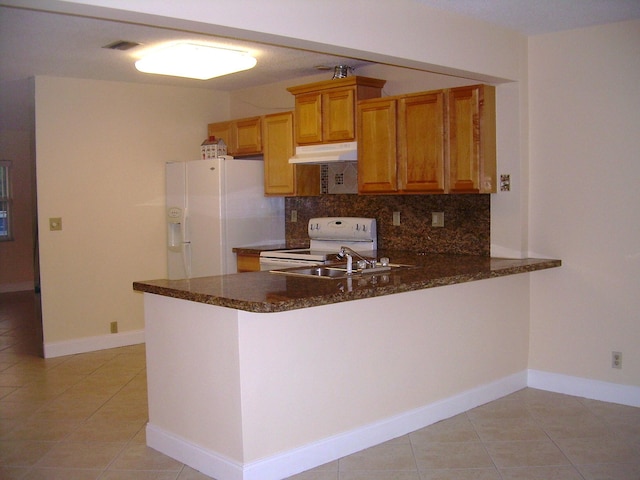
272 263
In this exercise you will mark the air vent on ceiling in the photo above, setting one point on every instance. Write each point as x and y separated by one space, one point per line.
121 45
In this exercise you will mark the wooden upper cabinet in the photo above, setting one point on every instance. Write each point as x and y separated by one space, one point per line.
242 136
339 115
279 175
282 178
248 137
325 112
221 130
421 143
472 139
442 141
377 153
308 122
401 144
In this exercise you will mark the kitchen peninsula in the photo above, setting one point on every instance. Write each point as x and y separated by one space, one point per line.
260 376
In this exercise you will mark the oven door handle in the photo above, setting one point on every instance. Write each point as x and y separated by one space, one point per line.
273 263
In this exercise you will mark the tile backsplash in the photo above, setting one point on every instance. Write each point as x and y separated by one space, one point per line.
339 177
467 220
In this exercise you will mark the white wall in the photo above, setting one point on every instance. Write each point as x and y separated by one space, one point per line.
101 149
585 113
353 374
401 32
274 97
405 351
456 45
583 124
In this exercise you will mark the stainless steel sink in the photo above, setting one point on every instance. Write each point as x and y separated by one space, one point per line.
338 271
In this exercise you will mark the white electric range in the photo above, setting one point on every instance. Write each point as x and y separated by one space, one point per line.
326 236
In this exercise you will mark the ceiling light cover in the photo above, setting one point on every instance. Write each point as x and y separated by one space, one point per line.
191 60
121 45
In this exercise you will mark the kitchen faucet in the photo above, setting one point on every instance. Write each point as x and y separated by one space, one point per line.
348 253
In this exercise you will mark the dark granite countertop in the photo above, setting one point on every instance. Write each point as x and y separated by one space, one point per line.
256 249
264 292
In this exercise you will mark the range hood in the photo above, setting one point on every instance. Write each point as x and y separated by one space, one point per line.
326 153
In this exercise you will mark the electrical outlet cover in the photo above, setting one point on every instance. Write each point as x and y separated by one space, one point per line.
437 219
616 360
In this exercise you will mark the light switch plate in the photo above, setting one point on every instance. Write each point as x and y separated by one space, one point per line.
437 219
55 223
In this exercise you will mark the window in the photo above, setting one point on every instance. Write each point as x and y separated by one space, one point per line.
5 200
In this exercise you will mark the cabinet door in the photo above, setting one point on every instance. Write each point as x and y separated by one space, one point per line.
281 177
422 143
248 263
223 130
377 146
338 115
279 174
308 118
472 156
248 136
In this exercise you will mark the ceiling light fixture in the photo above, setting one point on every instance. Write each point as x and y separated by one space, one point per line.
193 60
121 45
341 71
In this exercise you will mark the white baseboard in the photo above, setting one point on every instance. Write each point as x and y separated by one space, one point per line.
206 461
585 387
318 453
17 287
91 344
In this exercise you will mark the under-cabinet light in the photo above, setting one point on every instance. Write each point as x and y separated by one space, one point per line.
192 60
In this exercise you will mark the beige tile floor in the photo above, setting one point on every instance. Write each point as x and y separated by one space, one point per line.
83 417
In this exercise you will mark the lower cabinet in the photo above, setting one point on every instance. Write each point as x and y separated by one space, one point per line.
281 177
429 142
248 262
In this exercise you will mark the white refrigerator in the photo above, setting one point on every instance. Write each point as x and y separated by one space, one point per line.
212 206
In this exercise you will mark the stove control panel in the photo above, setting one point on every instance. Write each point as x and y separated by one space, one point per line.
342 228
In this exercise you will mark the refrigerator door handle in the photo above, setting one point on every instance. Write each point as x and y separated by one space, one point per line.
186 246
186 259
186 237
